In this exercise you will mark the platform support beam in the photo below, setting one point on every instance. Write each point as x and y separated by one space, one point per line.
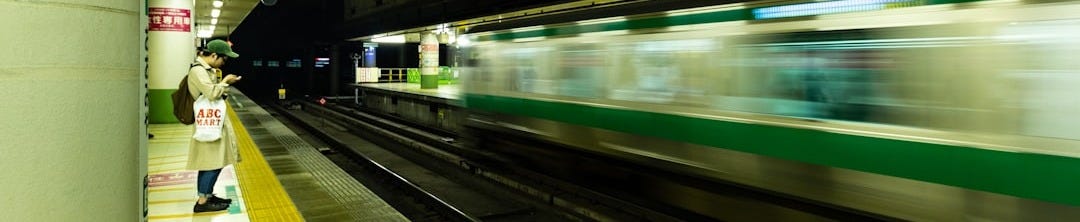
335 70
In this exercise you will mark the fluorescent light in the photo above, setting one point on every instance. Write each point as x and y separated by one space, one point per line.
463 40
206 33
215 13
442 28
390 39
213 21
822 8
218 4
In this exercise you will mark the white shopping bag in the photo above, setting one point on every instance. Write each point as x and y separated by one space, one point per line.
209 118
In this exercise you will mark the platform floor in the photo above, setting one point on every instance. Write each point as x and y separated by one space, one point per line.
292 182
171 193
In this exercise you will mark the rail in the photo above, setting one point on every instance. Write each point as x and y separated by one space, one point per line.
444 209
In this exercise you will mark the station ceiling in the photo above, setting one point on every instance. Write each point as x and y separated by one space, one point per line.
295 25
232 14
361 20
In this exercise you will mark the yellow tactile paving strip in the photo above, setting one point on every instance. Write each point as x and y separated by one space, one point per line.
264 196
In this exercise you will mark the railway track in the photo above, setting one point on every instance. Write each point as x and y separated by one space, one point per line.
448 180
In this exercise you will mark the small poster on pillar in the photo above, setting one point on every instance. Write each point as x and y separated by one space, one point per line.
170 19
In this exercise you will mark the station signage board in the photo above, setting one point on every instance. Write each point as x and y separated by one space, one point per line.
170 19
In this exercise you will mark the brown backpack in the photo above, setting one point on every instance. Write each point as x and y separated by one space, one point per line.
183 102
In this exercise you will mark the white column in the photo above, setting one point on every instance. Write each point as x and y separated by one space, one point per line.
171 51
429 61
70 111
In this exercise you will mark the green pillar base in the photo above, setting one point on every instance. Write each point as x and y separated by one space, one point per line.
161 106
429 81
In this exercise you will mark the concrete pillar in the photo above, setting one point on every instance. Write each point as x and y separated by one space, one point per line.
144 91
72 135
314 86
401 56
335 70
171 52
429 61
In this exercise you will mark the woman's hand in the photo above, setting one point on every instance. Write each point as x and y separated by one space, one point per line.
230 79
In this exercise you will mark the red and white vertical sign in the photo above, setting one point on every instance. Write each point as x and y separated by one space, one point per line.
170 19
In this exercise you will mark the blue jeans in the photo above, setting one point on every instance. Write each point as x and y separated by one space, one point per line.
206 182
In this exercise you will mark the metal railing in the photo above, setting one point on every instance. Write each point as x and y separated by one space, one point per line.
386 75
394 74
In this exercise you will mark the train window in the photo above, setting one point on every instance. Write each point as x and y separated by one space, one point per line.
581 70
669 71
815 75
528 68
926 76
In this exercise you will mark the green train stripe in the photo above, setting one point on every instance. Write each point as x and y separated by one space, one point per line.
660 22
1036 176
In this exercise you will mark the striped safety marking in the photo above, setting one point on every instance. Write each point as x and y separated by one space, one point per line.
264 197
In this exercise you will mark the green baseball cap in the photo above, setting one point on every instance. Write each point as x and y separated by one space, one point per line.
221 48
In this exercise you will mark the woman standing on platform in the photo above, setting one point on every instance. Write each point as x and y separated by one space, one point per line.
209 157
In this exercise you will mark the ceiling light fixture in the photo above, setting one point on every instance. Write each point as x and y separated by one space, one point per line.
390 39
205 33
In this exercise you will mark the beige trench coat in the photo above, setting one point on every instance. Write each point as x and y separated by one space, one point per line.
220 153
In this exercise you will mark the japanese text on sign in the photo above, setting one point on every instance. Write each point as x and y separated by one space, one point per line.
170 19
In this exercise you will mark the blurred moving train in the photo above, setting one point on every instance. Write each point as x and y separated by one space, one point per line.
929 110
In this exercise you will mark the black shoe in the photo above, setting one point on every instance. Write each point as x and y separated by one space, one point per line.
215 199
208 207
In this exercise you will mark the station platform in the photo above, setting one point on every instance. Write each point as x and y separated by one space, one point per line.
279 178
440 108
450 92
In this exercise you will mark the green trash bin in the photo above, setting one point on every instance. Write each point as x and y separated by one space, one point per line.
412 75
